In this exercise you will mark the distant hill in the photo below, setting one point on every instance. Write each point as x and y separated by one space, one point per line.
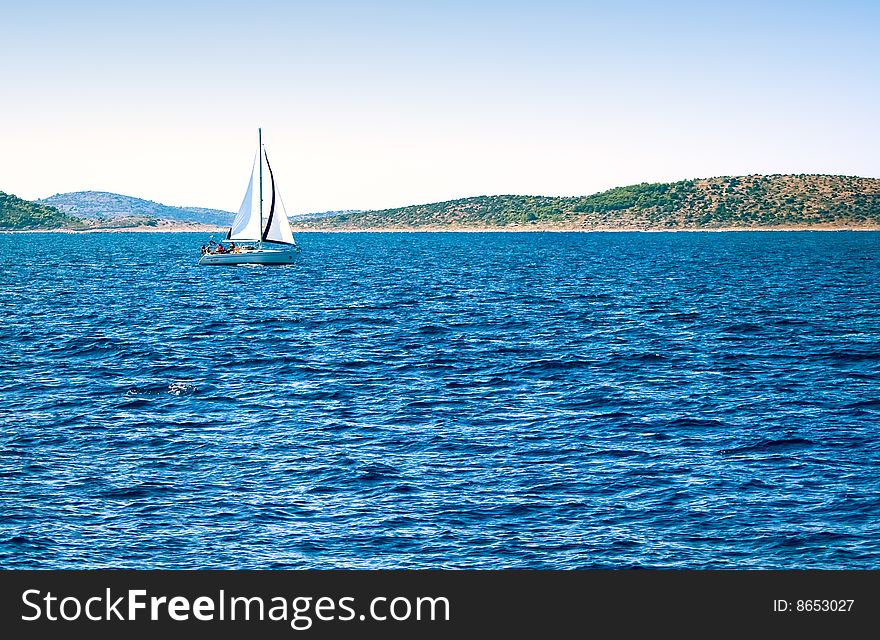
19 214
728 202
100 205
753 201
295 218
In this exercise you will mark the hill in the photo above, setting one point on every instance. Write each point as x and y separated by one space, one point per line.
739 202
100 205
295 218
18 214
746 202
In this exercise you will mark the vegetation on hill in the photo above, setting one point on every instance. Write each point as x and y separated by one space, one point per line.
742 202
753 201
113 208
20 215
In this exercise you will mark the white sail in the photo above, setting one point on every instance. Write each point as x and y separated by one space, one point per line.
277 224
246 225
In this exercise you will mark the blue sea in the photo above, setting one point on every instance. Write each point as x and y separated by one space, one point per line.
443 400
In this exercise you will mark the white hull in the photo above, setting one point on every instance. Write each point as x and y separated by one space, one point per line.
256 256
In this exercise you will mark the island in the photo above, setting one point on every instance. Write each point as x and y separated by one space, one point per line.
751 202
721 203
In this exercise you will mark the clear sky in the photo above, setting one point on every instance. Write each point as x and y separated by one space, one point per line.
378 104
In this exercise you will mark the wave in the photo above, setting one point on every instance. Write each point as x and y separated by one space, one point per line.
864 404
144 490
781 444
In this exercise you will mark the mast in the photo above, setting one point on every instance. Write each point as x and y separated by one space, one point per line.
260 152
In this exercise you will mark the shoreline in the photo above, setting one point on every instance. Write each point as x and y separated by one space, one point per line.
170 228
183 228
577 229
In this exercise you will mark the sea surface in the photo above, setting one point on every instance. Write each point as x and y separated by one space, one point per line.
442 400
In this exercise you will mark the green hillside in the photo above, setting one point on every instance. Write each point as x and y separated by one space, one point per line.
17 214
753 201
743 202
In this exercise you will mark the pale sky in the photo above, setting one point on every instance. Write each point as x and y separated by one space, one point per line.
368 105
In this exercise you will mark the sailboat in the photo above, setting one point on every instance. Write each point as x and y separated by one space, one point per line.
254 238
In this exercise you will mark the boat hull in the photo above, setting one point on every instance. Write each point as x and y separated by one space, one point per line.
260 256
